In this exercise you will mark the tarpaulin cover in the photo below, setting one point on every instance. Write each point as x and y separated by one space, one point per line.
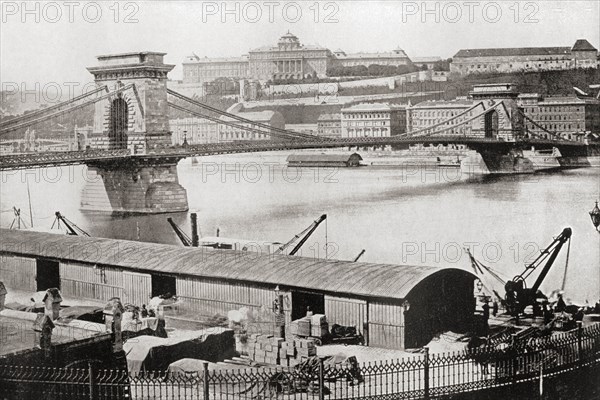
154 353
76 312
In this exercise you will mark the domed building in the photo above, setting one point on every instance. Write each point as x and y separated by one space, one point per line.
288 60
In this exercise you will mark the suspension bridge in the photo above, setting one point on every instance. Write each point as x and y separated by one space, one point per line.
130 146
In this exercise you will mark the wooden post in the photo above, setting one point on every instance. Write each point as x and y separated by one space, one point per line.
281 316
321 380
426 374
205 381
194 223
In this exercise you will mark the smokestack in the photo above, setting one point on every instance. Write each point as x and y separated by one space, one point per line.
194 222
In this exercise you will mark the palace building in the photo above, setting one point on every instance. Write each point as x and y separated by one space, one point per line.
394 58
581 55
288 59
202 70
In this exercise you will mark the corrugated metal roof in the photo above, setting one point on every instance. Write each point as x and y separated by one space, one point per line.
332 276
326 157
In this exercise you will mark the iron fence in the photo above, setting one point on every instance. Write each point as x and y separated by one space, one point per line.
422 376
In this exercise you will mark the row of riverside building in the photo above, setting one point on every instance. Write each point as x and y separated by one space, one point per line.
569 116
289 59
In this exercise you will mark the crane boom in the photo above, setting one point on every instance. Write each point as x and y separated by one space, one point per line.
71 227
554 248
185 239
518 296
310 229
359 255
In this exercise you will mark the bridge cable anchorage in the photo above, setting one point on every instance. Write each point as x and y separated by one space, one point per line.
12 121
245 120
62 112
228 123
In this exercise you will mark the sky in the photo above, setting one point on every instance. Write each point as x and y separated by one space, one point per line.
53 42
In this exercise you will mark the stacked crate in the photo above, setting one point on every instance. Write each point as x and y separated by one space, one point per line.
266 349
319 326
263 348
310 326
305 348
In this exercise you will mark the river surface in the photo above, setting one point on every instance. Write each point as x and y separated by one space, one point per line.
398 215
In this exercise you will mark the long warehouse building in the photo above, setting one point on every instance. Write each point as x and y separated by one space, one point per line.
394 306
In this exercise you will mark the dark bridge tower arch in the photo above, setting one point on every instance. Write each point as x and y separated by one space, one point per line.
134 121
119 123
491 124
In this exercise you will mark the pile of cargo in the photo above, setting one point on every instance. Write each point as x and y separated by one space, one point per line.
310 326
267 349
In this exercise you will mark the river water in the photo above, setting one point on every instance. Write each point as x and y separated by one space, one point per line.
398 215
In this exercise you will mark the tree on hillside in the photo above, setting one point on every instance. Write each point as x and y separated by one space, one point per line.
442 65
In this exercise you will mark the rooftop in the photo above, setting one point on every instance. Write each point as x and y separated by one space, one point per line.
18 334
417 60
457 103
301 47
256 116
330 117
583 45
390 54
567 99
329 276
207 60
514 51
373 107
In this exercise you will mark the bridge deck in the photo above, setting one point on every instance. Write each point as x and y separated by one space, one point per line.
31 160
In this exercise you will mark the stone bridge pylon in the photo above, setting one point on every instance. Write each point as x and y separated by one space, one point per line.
135 119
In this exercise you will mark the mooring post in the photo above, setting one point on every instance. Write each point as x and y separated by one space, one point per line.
205 381
426 374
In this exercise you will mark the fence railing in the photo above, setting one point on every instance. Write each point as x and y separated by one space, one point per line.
423 376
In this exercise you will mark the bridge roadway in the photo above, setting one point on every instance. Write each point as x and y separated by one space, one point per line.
47 159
